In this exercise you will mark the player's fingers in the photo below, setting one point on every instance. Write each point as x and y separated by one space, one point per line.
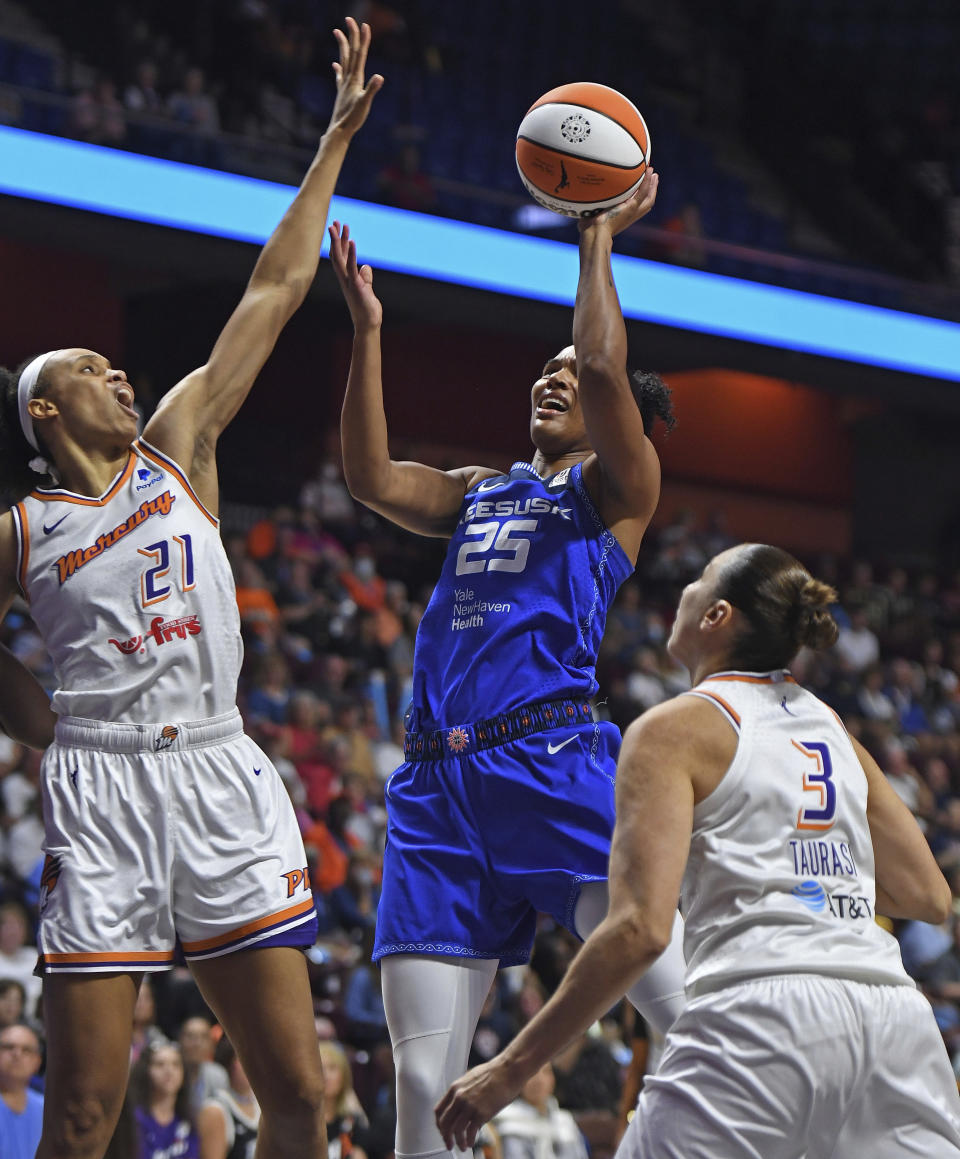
343 47
366 272
362 48
353 39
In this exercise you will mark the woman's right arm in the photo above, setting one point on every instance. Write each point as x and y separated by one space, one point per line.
418 497
909 881
25 712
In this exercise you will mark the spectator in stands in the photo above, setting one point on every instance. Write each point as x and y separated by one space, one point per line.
204 1075
97 114
193 106
229 1120
534 1126
142 94
258 609
858 644
872 701
645 685
21 1109
13 1001
403 183
18 954
268 700
146 1033
345 1116
160 1099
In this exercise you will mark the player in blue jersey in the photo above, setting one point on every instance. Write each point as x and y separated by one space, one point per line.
504 805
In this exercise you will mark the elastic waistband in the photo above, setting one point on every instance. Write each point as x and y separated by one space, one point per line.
106 736
498 730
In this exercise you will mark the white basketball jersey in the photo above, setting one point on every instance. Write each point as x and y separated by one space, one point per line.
780 877
133 595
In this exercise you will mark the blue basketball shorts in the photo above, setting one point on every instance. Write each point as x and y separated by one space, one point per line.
479 843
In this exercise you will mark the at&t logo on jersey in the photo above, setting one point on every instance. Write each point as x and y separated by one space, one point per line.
161 631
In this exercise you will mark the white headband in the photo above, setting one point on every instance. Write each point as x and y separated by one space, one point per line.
25 388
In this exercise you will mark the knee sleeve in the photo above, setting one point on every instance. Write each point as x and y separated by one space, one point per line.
432 1007
659 994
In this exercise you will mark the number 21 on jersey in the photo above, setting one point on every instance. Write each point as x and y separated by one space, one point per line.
153 585
817 780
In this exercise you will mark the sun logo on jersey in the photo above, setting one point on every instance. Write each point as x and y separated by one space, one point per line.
165 738
49 877
457 740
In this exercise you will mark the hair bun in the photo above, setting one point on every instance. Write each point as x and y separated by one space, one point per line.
816 627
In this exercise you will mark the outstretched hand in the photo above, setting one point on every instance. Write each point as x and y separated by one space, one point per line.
472 1101
354 98
627 212
356 284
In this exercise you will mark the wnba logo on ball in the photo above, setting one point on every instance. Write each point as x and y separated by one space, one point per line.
575 128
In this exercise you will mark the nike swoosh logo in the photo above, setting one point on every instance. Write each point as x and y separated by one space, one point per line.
490 484
54 526
555 748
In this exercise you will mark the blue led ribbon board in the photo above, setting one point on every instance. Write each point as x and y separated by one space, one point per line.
207 201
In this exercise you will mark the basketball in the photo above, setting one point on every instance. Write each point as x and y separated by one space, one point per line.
582 148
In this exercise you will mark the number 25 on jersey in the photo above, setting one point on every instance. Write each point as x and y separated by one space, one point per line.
818 781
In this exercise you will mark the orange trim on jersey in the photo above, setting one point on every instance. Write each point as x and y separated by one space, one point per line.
142 956
168 465
785 679
82 500
719 700
23 536
250 928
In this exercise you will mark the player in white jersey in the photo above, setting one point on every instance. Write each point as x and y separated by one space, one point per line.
163 821
803 1036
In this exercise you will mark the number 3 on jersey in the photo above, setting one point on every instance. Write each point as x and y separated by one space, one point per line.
152 586
819 781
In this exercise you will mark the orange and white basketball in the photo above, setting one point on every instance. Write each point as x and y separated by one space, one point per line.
582 148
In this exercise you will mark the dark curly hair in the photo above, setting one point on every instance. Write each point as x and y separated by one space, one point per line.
786 609
654 399
16 478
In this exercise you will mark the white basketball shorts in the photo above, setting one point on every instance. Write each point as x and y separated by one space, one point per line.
800 1067
156 833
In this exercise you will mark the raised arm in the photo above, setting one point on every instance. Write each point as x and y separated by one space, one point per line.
415 496
909 881
25 713
625 476
191 417
665 755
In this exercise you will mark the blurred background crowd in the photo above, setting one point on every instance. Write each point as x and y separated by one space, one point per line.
330 597
791 160
752 129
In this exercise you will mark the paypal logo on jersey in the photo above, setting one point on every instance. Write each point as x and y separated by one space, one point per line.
812 894
147 478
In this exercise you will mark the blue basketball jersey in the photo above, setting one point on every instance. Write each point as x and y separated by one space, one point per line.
520 607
